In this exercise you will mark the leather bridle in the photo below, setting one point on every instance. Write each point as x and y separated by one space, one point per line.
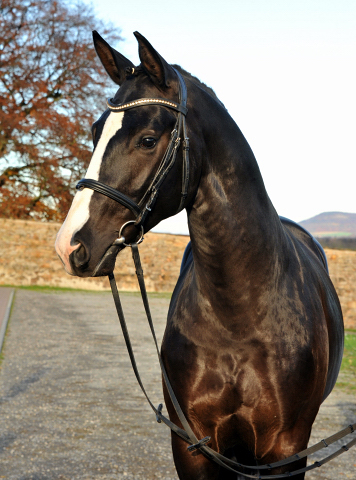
140 211
147 202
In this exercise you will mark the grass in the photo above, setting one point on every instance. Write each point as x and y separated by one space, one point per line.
7 329
347 378
40 288
349 360
45 289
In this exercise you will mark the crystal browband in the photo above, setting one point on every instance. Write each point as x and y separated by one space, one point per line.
146 101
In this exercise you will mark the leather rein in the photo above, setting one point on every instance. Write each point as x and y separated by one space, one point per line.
141 210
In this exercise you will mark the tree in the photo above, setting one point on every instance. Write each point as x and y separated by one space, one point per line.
52 87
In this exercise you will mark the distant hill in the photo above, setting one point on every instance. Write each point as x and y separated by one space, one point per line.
331 224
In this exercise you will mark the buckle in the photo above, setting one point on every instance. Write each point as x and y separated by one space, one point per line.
201 443
159 413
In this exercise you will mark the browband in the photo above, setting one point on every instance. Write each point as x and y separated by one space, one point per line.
146 101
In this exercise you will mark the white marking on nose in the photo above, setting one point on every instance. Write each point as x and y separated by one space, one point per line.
78 214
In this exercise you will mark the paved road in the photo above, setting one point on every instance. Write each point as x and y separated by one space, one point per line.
70 408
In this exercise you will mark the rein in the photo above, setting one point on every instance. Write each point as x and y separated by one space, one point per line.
187 433
140 211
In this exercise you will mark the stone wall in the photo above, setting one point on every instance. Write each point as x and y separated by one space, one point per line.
27 257
342 267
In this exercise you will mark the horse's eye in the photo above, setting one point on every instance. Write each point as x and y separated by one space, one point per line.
148 142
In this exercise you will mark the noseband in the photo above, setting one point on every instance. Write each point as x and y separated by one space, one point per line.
142 209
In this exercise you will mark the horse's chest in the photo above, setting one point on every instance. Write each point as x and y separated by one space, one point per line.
212 367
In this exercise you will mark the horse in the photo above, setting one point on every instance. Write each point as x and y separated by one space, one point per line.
254 335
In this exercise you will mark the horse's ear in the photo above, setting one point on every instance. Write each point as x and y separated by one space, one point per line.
113 62
157 68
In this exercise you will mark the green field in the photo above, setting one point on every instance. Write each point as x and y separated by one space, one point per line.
347 377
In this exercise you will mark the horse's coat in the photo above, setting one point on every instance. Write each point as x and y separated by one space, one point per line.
254 335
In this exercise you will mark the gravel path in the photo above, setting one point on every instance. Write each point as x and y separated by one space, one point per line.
70 407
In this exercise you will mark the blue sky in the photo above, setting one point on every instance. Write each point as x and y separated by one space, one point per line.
285 70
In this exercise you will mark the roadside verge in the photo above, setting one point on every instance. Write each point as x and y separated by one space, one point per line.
6 297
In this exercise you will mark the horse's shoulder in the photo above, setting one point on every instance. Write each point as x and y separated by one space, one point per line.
306 238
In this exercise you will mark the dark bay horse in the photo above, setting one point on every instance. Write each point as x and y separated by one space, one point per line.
254 336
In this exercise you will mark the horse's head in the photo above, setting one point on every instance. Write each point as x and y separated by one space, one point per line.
139 170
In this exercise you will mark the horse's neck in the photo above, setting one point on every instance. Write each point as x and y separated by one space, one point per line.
233 225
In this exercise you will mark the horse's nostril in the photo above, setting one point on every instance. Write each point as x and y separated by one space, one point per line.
80 256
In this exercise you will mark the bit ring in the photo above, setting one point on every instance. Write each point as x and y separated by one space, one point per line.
121 239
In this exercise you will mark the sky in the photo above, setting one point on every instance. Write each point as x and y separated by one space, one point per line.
286 72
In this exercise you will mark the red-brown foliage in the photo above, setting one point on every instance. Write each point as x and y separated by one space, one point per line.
52 87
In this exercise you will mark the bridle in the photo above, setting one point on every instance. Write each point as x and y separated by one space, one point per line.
147 202
140 211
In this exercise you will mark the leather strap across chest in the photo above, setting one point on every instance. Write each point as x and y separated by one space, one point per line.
142 209
186 433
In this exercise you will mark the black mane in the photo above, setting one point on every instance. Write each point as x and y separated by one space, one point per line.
139 70
197 82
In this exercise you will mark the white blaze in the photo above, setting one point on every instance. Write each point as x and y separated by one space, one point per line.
78 214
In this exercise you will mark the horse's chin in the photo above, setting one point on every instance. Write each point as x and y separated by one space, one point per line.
107 263
104 267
